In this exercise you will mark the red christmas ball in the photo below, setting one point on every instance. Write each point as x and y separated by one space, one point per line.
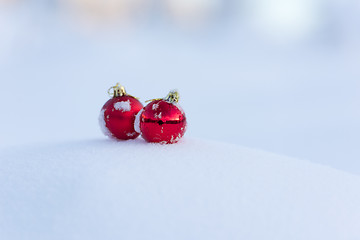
117 116
162 120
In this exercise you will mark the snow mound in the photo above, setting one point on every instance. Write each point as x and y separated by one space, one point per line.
105 189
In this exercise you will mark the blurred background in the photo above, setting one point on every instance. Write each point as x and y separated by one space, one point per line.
277 75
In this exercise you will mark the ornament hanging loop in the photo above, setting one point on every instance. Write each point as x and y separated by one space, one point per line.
117 91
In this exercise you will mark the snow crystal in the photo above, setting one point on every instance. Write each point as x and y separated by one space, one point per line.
123 106
137 121
155 106
158 115
175 139
131 134
102 123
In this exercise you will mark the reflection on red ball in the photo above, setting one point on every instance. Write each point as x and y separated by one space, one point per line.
117 117
162 122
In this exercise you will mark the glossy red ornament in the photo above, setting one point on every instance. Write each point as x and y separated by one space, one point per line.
117 116
162 120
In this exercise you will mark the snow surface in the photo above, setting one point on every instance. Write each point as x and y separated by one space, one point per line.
104 189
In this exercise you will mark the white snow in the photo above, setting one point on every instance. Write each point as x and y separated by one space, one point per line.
196 189
155 106
102 123
158 115
131 134
137 121
123 106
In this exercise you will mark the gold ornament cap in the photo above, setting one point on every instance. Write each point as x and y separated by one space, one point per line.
172 97
117 91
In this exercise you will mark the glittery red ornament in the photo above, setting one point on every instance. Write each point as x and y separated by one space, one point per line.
162 120
117 116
